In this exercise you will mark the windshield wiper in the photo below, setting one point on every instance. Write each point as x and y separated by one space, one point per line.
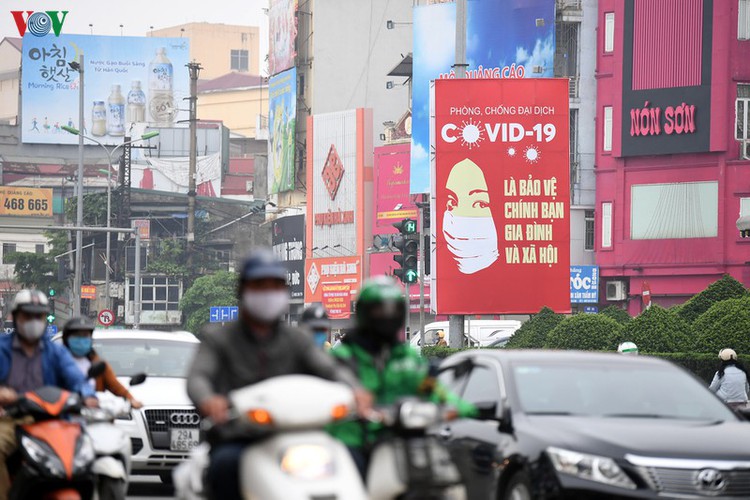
552 413
640 415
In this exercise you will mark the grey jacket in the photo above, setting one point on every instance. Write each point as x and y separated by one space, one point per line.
231 357
732 387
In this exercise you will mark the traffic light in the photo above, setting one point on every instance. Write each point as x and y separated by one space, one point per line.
407 243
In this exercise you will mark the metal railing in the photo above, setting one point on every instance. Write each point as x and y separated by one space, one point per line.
569 5
573 86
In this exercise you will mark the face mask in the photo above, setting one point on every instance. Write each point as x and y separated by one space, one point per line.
471 240
320 336
266 306
79 346
32 330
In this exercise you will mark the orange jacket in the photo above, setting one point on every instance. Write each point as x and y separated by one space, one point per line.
107 381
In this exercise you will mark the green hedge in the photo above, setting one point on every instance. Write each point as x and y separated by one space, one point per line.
659 330
617 314
589 332
722 289
725 324
533 332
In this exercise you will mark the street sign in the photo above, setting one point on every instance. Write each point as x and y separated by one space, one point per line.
51 330
88 292
590 309
584 284
222 314
106 317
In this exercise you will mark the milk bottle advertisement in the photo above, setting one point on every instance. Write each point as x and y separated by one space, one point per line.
127 80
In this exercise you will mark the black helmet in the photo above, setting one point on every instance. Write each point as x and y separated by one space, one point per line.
381 309
76 325
315 317
262 264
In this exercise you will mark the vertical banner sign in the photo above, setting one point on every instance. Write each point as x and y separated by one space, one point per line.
282 30
392 200
288 240
502 192
282 119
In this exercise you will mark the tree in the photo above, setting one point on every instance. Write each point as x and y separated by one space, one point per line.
35 270
725 324
617 314
587 332
658 330
533 333
94 208
722 289
219 289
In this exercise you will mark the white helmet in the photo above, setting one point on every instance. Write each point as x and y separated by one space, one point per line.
727 354
628 348
30 301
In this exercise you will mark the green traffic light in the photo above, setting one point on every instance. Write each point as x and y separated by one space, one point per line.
410 276
410 226
52 292
50 318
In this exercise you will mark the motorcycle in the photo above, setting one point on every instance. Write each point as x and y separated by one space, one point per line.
112 445
55 455
410 463
293 457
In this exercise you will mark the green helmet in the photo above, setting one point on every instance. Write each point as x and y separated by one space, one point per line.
381 309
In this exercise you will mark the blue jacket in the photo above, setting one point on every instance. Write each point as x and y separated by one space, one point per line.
58 367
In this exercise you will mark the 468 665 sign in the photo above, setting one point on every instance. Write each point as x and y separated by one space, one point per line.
21 201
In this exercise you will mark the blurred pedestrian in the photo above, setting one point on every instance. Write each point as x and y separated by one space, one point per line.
441 339
731 382
315 319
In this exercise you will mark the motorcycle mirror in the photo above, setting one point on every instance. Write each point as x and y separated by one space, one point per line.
138 379
97 369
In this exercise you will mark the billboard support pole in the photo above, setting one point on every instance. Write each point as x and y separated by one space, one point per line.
456 322
407 329
78 276
421 270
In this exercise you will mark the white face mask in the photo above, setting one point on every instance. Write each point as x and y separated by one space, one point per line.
32 330
471 240
266 306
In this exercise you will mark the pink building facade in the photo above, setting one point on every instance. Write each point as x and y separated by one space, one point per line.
672 152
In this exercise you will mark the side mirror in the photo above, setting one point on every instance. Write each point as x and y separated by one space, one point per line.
97 369
487 410
138 379
506 420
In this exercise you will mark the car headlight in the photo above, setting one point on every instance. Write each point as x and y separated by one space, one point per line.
592 467
85 454
40 453
308 462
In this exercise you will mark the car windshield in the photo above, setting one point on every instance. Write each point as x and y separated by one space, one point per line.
155 358
617 390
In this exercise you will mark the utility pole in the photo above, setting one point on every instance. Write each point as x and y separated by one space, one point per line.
456 322
195 69
423 248
78 281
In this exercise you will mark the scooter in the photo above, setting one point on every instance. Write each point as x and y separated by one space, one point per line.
295 459
55 455
410 463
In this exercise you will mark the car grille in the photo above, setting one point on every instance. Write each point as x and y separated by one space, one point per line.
160 422
685 482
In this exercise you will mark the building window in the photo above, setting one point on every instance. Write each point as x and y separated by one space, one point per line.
607 142
742 115
743 20
240 60
607 224
8 248
39 248
158 294
588 240
674 211
609 32
744 207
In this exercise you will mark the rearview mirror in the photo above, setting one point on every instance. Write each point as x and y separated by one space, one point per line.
137 379
97 369
487 410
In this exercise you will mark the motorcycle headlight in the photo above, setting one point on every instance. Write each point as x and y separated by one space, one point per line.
84 454
418 415
41 454
309 462
591 467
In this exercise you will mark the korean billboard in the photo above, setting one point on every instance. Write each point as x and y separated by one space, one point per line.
282 30
505 39
288 240
391 197
334 282
282 120
501 188
127 80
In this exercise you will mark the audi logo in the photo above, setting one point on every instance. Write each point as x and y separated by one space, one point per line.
185 418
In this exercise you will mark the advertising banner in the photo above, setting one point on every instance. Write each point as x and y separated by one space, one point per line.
25 201
391 192
505 39
144 228
282 120
128 80
329 280
288 240
171 175
282 30
501 188
584 284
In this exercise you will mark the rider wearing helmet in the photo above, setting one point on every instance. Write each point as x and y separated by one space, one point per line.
730 382
77 337
386 366
28 361
256 347
315 318
628 348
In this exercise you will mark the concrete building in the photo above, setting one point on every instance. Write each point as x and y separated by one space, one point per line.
672 146
240 101
10 73
220 48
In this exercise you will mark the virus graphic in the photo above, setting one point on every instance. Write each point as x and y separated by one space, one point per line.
512 152
471 134
532 154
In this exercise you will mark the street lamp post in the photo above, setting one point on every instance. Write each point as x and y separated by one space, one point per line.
77 282
110 155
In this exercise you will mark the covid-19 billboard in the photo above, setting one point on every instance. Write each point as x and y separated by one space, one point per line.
282 122
505 39
501 190
127 80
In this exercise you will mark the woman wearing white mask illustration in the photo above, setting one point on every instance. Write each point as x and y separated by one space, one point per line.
468 226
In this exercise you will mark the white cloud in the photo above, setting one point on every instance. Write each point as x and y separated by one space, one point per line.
418 152
542 55
437 42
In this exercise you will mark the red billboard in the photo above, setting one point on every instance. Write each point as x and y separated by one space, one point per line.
392 199
502 196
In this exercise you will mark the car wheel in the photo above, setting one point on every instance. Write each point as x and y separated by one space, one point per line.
519 487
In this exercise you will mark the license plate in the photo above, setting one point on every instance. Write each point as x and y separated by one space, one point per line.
183 439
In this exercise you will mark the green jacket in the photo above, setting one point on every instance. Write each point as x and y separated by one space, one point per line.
403 373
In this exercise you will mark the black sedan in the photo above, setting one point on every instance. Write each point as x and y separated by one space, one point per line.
572 425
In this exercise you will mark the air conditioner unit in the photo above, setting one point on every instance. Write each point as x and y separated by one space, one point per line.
616 291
